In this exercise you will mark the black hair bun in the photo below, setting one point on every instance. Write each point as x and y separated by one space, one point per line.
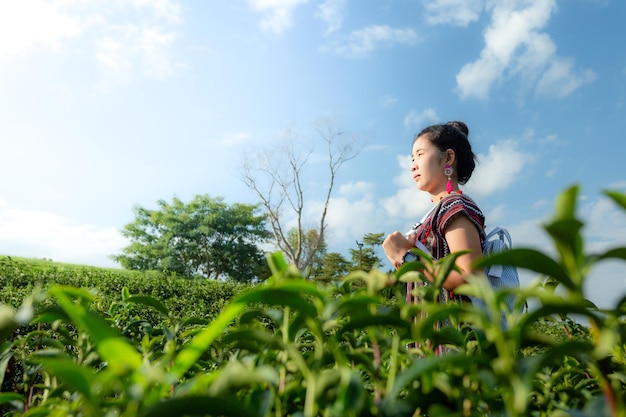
459 125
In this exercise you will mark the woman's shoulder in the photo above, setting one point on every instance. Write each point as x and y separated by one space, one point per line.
459 203
456 201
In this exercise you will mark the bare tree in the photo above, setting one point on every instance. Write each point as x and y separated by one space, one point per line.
276 176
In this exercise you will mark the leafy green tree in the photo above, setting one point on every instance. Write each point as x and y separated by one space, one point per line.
205 237
330 267
325 266
365 256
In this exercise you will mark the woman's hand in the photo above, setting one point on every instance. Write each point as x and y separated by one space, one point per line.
395 246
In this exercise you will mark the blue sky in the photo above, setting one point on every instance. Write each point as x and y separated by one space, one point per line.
108 104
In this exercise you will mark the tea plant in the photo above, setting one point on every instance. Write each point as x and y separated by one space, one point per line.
291 347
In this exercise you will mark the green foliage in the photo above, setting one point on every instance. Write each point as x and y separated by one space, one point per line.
187 297
294 347
365 257
308 247
330 267
205 237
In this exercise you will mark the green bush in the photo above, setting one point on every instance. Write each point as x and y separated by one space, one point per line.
184 297
290 347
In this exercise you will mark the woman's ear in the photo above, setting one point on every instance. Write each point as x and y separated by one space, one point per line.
450 157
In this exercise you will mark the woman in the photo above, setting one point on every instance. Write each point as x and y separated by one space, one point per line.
441 159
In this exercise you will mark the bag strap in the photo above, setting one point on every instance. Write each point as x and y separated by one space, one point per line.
503 235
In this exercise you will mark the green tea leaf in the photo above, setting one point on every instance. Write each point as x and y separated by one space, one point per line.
278 296
200 406
364 321
529 259
425 366
616 253
566 203
246 337
254 315
7 322
193 321
50 314
119 354
300 286
617 197
78 378
5 358
150 302
190 354
236 375
277 263
569 243
7 397
357 303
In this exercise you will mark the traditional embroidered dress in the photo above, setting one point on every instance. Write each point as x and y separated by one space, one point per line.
431 233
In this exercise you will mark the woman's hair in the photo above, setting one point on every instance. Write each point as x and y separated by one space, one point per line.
453 135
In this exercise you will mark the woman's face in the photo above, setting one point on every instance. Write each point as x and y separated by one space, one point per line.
427 166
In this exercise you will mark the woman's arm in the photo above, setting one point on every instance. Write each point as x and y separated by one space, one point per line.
461 234
395 246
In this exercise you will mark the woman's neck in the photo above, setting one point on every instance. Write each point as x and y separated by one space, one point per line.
437 197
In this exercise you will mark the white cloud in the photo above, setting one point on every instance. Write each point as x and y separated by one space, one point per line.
332 12
358 188
123 41
388 101
527 234
606 285
453 12
118 51
167 10
414 120
235 139
498 169
496 215
30 24
353 213
363 41
37 234
476 78
604 229
605 224
515 46
617 186
531 60
559 80
278 14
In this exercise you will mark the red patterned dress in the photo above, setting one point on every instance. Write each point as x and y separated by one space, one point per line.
431 233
